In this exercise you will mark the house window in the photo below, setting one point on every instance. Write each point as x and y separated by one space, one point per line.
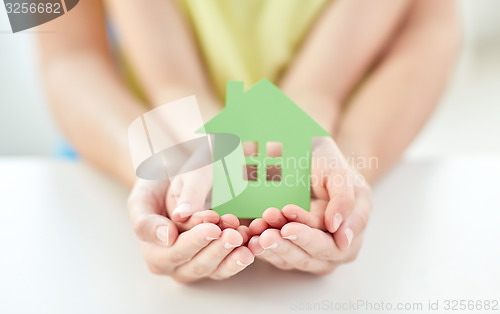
273 173
250 172
274 149
250 148
270 160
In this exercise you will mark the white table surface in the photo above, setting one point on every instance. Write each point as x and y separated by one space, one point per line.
67 247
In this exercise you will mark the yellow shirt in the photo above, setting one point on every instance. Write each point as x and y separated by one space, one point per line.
244 40
248 40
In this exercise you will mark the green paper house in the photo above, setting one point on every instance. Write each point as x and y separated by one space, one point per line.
278 166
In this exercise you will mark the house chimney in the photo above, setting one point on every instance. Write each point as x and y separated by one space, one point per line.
234 90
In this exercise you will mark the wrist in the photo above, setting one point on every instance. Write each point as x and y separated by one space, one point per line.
360 158
321 107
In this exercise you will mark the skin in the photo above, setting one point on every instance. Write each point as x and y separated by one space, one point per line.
366 69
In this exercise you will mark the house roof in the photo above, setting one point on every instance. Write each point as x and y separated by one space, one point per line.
263 112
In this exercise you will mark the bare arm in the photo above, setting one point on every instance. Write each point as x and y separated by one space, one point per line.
88 98
346 40
412 45
399 97
161 47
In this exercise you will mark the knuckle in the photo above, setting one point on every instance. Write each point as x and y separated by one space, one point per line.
200 270
346 202
190 189
177 258
139 227
219 276
304 264
325 255
328 270
351 257
282 265
305 243
182 279
361 222
154 269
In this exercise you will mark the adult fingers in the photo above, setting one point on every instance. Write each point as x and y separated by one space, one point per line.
291 253
317 243
235 262
341 198
189 243
146 208
356 223
208 259
155 229
265 253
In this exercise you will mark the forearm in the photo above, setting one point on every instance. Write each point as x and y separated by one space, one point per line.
94 109
338 50
161 48
396 100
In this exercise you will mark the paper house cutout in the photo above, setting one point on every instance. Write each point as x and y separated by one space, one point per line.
259 116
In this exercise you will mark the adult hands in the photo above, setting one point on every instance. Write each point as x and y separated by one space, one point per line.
200 247
331 232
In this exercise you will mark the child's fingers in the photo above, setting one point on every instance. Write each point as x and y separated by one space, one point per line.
274 218
235 262
229 221
245 233
206 216
355 224
313 219
208 259
267 253
317 243
291 253
257 226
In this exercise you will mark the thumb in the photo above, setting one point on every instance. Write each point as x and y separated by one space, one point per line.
193 191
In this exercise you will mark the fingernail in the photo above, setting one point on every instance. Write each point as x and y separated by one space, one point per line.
184 210
162 234
292 237
337 220
272 246
292 216
230 225
241 264
210 239
257 254
229 246
349 234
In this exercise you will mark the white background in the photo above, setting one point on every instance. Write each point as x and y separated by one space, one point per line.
465 122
